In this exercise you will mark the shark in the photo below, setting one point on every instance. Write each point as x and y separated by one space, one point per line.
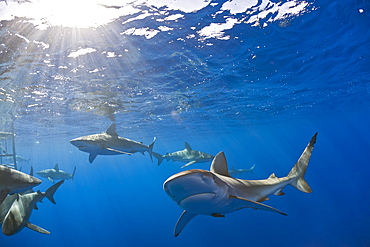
8 202
188 155
234 171
10 159
20 211
109 143
13 181
56 174
215 193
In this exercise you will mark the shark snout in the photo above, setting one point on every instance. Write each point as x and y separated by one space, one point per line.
188 184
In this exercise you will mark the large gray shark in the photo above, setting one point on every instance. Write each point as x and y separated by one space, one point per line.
109 143
56 174
20 211
8 202
234 171
216 193
13 181
187 155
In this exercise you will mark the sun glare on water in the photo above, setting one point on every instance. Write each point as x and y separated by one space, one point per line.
67 13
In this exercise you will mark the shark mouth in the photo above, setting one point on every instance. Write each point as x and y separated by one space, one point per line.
197 200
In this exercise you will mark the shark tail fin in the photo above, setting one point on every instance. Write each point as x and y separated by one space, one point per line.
252 168
150 151
73 174
159 157
299 169
50 192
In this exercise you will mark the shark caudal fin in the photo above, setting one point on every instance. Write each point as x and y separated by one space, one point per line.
158 156
50 192
150 151
299 169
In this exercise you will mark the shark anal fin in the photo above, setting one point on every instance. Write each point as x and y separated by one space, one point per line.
279 193
218 215
245 203
190 163
117 151
36 228
92 156
183 221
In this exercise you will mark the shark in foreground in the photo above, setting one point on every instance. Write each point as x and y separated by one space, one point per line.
9 199
13 181
187 155
109 143
56 174
216 193
21 209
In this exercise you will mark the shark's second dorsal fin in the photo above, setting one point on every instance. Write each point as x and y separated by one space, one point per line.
219 165
112 130
187 146
56 167
272 175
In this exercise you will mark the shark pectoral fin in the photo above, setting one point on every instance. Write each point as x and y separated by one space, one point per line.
51 180
117 151
36 228
190 163
183 221
92 156
245 203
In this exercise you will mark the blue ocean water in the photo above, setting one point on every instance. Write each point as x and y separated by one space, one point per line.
255 79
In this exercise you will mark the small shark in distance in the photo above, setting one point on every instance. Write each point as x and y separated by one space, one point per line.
234 171
187 155
216 193
56 174
21 209
13 181
10 159
109 143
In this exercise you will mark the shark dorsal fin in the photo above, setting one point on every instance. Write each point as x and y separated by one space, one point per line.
187 146
272 175
112 130
219 165
56 167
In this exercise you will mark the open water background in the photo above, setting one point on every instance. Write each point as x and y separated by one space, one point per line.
255 79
